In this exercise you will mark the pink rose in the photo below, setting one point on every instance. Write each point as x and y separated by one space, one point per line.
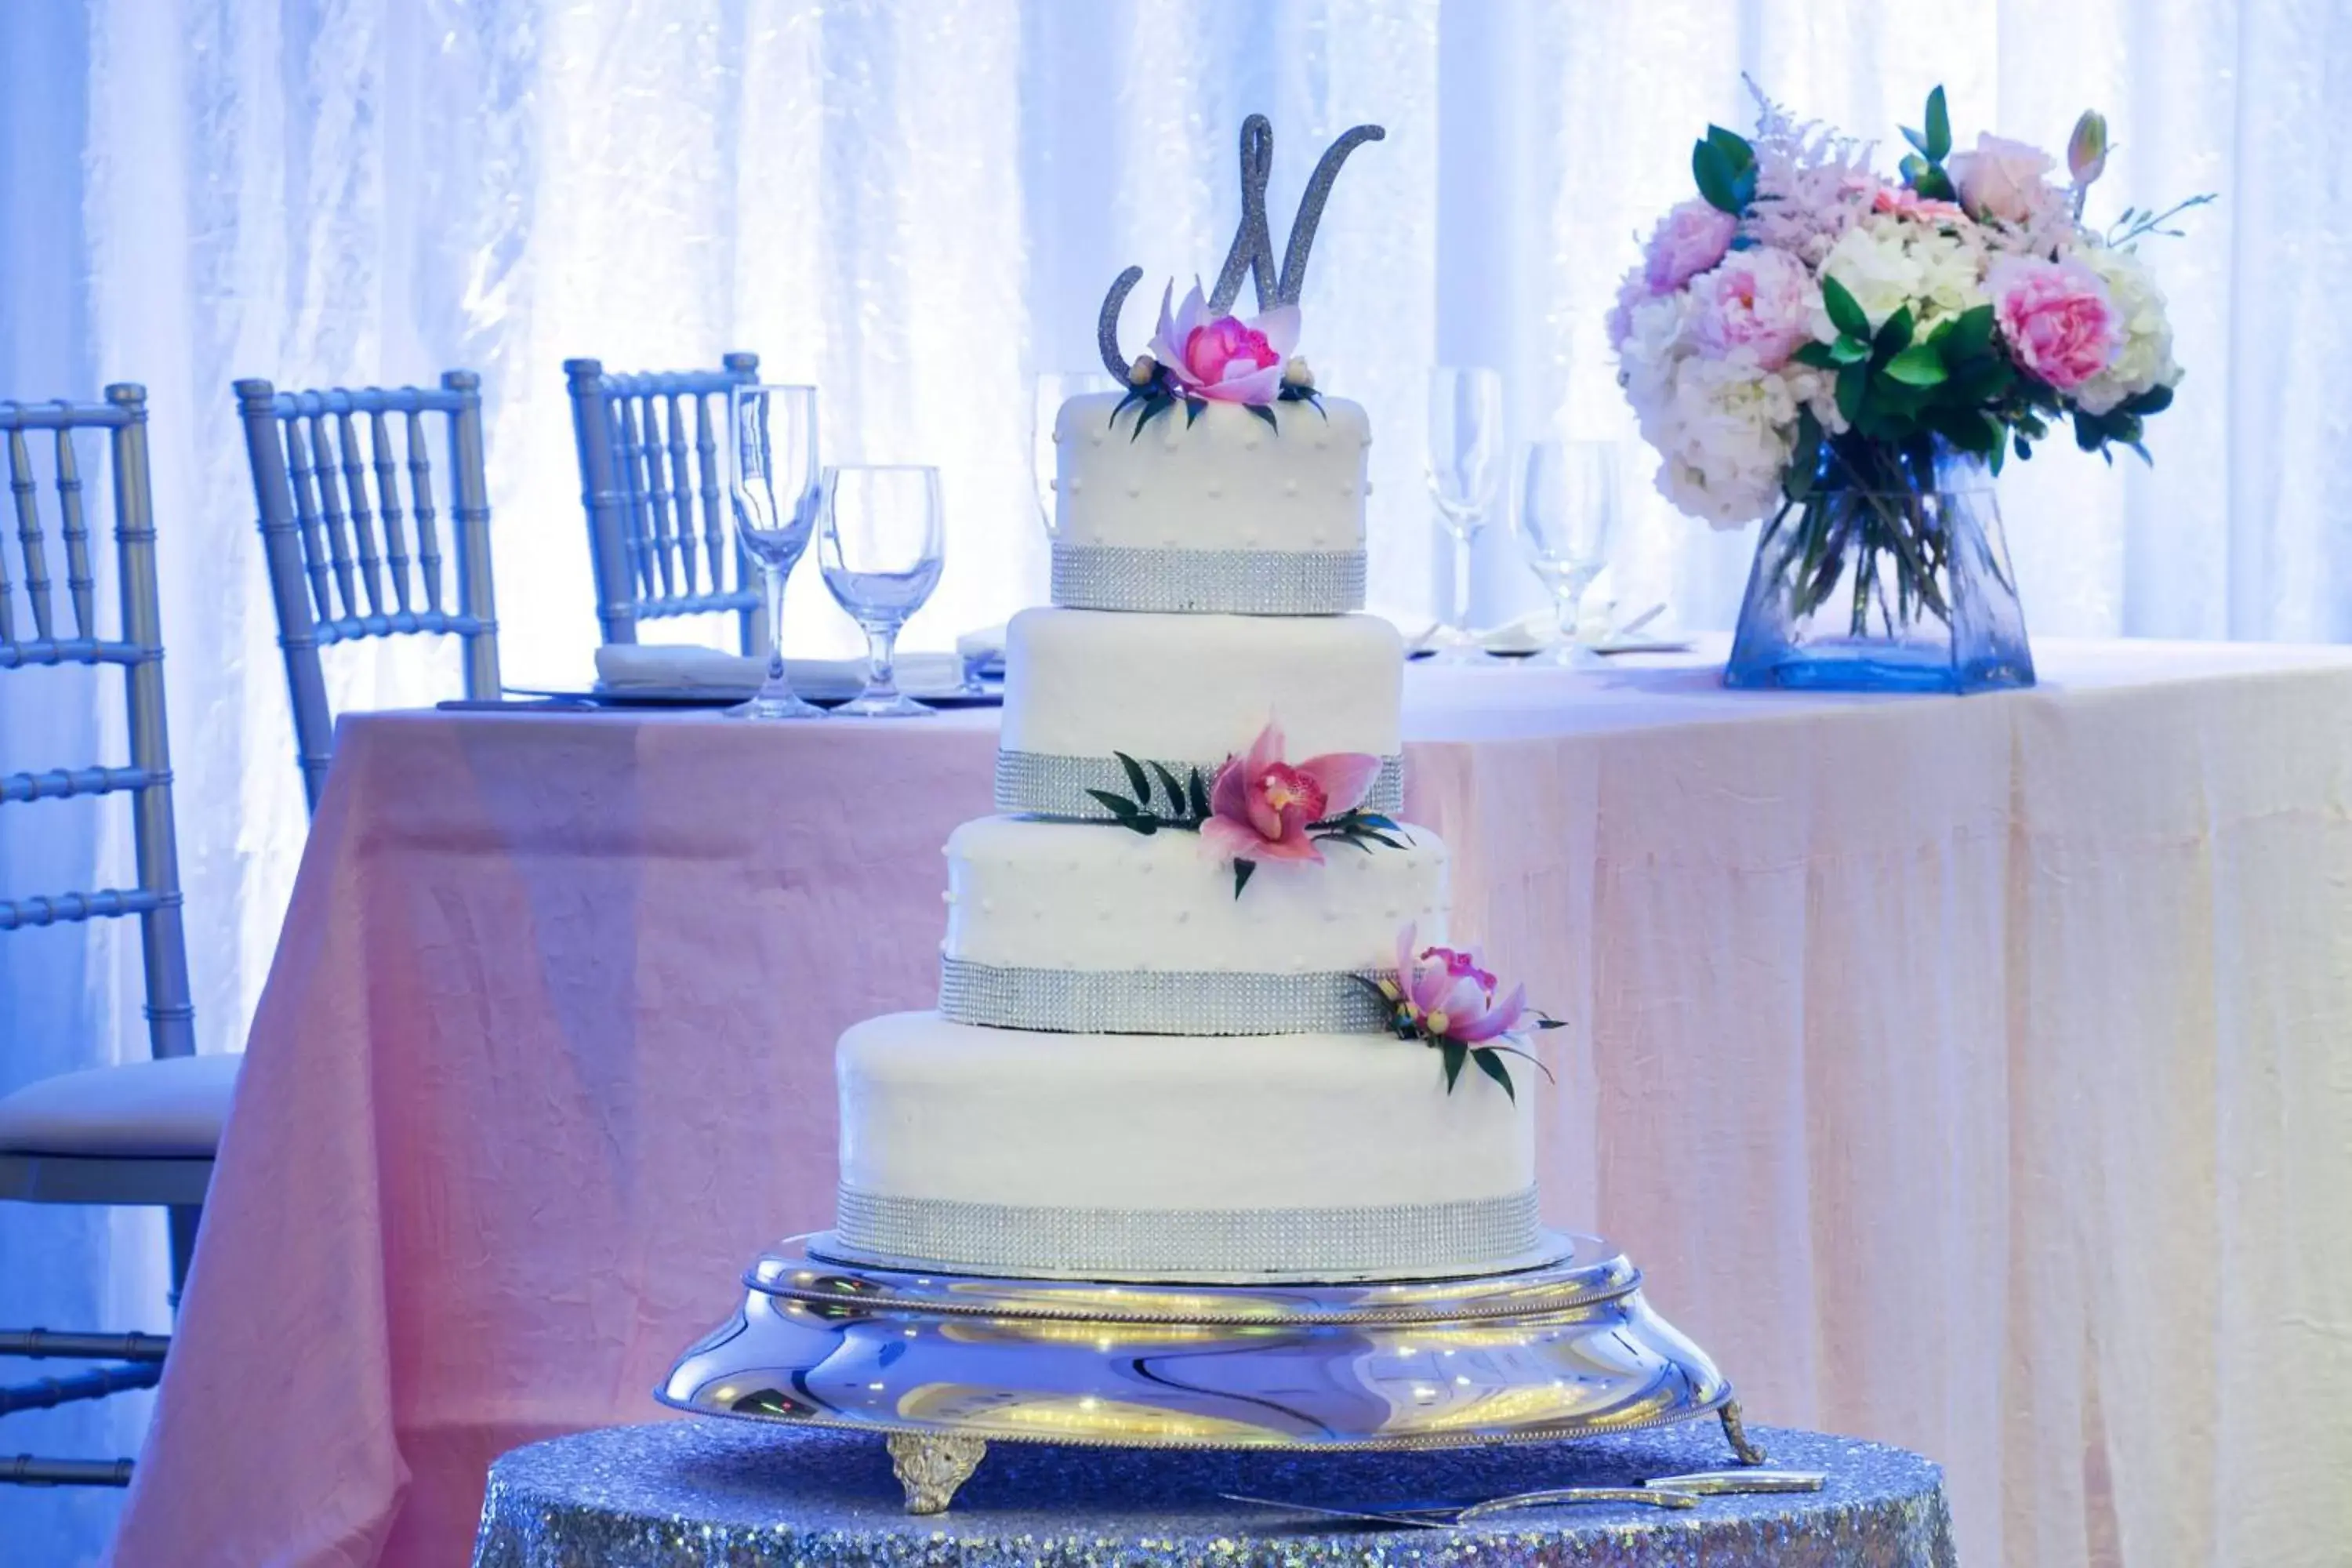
1905 203
1687 241
1224 358
1759 300
2056 317
2001 179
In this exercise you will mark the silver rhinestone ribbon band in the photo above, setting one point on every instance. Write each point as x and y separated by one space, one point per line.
1048 786
1227 582
1145 1001
1424 1238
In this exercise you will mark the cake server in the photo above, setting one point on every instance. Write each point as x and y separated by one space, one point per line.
1446 1516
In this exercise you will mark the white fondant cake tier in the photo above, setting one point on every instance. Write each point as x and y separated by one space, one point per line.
1033 894
1222 481
1322 1155
1186 690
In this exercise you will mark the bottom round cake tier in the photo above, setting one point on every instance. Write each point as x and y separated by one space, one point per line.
1157 1157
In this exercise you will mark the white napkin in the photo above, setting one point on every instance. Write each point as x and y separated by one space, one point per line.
683 666
1538 631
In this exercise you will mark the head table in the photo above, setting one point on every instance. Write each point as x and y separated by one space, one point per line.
1973 1074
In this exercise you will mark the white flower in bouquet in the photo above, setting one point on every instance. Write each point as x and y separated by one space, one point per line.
2144 358
1890 263
1727 428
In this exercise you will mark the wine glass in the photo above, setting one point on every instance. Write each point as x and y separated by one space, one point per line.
880 547
1052 391
1466 431
1567 515
772 473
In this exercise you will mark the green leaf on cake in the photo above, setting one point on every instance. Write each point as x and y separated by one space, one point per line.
1200 796
1175 788
1193 407
1136 780
1262 412
1241 870
1491 1064
1455 1052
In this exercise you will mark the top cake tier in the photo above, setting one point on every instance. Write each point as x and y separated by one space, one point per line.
1217 513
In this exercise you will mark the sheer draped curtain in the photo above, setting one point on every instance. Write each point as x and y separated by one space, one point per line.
917 205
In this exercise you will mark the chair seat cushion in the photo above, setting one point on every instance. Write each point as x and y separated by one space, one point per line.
150 1110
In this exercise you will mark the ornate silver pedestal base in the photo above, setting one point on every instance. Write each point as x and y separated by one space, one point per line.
945 1363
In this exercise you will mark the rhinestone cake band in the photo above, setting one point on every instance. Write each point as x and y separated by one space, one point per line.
1160 1002
1048 786
1425 1238
1229 581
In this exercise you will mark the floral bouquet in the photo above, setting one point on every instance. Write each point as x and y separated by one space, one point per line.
1851 358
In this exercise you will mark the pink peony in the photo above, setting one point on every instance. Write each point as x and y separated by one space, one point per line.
1261 807
1688 240
1446 994
1762 300
2001 179
1632 291
2056 317
1224 358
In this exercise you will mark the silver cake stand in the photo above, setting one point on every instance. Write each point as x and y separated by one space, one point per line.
943 1364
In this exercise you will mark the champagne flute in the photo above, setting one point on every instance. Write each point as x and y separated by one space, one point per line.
880 548
771 471
1567 515
1466 431
1052 391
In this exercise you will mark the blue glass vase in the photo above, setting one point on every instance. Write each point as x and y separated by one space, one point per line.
1890 574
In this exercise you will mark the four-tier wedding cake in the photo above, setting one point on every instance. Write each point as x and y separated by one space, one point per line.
1197 1019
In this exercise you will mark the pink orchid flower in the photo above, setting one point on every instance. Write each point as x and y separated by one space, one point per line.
1444 992
1260 807
1221 357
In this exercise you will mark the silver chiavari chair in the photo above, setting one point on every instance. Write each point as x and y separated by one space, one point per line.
649 462
339 540
144 1132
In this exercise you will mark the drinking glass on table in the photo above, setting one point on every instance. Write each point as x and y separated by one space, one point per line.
1052 391
1465 433
1567 517
880 547
772 473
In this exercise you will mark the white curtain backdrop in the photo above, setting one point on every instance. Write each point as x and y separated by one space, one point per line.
918 205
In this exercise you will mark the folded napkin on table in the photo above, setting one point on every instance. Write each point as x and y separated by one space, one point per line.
680 666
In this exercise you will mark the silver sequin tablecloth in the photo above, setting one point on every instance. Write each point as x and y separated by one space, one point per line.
708 1493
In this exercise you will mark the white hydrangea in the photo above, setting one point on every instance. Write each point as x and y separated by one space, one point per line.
1723 427
1728 429
2145 359
1887 262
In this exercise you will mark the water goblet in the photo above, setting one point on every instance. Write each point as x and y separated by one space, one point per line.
1052 391
773 475
1569 498
1465 432
880 546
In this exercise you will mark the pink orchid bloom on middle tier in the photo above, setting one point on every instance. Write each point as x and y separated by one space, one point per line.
1221 357
1445 992
1260 807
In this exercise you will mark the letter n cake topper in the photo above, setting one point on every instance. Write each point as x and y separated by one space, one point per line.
1252 254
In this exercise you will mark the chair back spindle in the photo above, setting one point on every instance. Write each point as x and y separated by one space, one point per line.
331 512
138 649
649 463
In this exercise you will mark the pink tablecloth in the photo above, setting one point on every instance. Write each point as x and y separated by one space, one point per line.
1975 1075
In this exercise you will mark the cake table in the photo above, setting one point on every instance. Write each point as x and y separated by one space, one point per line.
699 1491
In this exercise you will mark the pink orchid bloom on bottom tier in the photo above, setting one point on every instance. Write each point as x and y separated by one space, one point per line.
1444 994
1262 808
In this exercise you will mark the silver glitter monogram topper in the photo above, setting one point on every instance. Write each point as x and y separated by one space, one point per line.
1253 249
